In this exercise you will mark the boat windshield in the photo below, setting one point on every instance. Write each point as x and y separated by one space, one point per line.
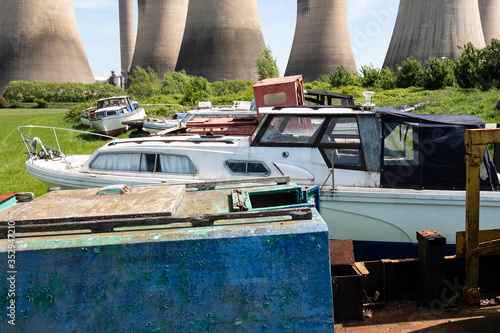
286 129
112 102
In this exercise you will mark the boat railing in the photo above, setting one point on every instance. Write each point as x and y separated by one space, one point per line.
46 151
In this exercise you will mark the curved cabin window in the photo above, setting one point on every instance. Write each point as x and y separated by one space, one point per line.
247 168
165 163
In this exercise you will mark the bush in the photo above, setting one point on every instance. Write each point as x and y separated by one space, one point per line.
74 112
342 77
410 74
387 80
40 103
370 76
489 69
198 90
55 92
175 83
467 67
143 83
438 74
3 102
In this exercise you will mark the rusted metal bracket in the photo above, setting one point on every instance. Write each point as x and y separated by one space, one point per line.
476 142
99 225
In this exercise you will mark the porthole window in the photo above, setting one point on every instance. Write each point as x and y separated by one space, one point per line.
249 168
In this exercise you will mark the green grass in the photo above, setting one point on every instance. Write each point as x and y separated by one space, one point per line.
15 178
13 174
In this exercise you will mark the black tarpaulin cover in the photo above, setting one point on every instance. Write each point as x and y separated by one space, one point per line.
439 148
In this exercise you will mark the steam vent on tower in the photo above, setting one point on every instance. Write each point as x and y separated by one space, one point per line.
490 18
321 41
221 40
159 34
39 41
434 28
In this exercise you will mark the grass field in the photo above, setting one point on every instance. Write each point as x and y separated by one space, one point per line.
13 174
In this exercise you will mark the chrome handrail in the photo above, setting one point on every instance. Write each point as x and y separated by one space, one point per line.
33 151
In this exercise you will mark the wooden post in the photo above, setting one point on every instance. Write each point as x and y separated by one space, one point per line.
475 148
473 160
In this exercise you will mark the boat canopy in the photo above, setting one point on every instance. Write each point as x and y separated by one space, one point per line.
428 151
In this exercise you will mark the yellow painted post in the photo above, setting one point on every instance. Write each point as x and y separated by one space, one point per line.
473 161
475 148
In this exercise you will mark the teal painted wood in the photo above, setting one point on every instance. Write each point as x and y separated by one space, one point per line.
258 277
8 203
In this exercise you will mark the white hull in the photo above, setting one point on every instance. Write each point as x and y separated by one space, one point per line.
393 215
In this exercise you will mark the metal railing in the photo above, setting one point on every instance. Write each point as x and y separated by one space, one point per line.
46 150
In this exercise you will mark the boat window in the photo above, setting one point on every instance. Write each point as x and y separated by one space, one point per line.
145 163
342 130
293 129
276 98
399 142
125 162
344 157
175 164
341 141
247 168
111 113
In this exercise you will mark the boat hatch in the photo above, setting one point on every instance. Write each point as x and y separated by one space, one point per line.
267 199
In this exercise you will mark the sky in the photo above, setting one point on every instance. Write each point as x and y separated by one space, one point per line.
371 23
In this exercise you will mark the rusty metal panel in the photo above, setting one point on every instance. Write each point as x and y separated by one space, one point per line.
341 252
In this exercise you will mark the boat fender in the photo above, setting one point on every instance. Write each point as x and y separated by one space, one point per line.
114 189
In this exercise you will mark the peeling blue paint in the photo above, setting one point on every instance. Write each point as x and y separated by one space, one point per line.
270 283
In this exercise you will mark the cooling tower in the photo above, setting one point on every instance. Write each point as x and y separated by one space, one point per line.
159 34
434 28
127 34
490 19
222 39
321 41
39 41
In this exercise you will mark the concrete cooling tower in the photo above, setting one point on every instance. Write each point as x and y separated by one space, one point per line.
159 34
321 41
127 34
39 41
434 28
490 19
222 39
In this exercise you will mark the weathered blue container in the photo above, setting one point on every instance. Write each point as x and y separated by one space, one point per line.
234 276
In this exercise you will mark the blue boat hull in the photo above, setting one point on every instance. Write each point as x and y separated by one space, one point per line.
238 278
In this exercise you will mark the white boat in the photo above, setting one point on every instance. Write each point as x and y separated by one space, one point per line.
394 173
109 114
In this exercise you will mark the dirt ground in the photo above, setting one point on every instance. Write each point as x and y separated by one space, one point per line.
406 317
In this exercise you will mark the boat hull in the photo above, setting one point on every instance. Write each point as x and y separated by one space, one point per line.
113 125
381 222
247 273
384 222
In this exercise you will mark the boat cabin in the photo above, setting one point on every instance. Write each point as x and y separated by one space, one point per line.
114 106
408 150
